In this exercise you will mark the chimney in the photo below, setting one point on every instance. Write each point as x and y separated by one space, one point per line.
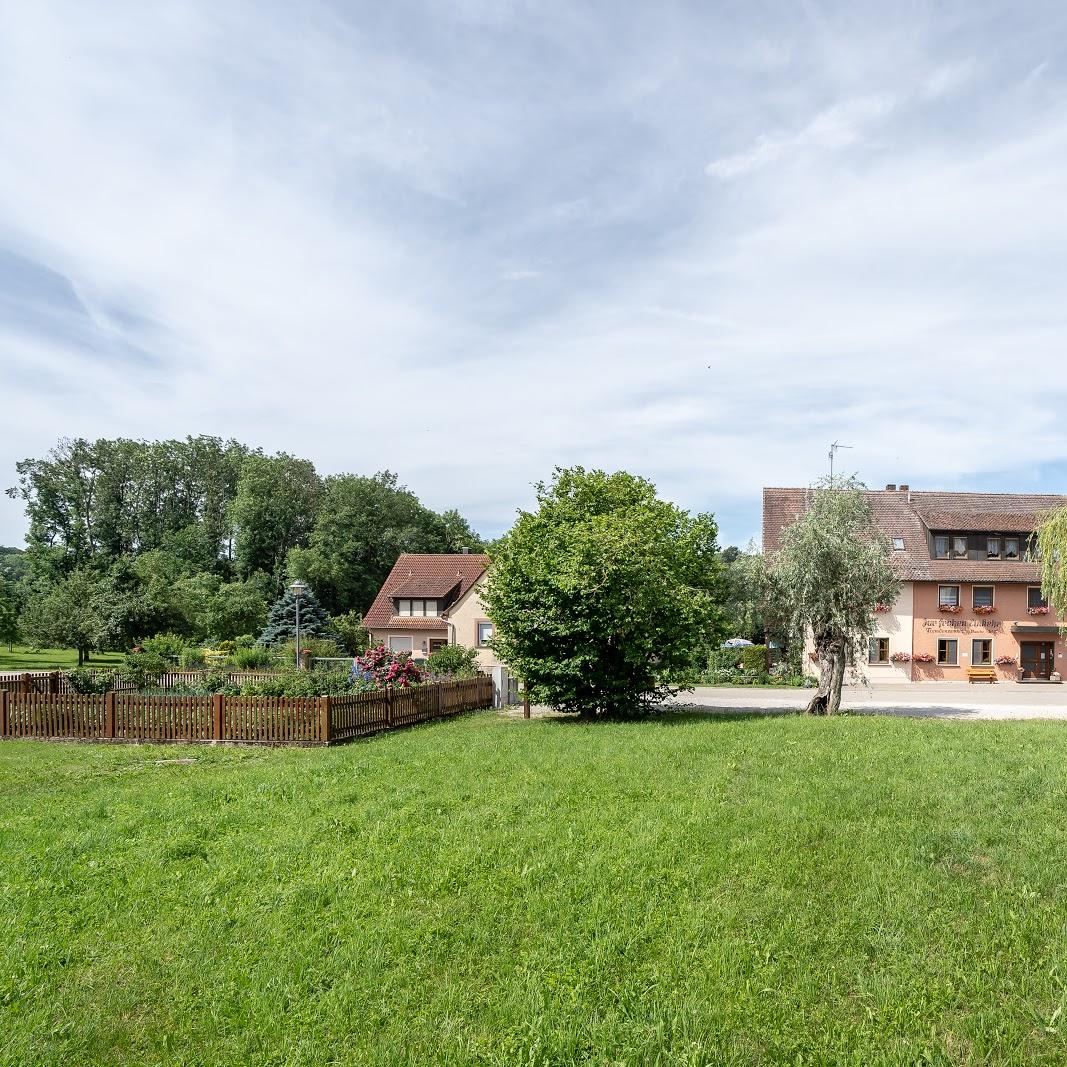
891 487
904 488
466 551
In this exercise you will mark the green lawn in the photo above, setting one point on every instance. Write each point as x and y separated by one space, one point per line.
495 891
50 659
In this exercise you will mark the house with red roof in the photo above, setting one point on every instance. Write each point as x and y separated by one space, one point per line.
970 602
431 600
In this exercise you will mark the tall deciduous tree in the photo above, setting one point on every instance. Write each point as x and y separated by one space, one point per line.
361 528
598 595
273 511
81 610
831 571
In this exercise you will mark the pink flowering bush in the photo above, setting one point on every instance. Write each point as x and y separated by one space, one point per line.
923 657
383 667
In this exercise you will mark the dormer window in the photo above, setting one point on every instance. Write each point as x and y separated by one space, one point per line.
1011 548
992 548
941 547
420 608
959 547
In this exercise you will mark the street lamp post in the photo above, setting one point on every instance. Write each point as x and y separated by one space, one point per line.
298 589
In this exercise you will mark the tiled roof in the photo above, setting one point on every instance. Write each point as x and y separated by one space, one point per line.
423 587
462 568
911 514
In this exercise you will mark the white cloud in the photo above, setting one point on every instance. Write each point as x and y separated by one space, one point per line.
836 127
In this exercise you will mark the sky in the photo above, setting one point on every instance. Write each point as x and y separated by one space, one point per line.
472 241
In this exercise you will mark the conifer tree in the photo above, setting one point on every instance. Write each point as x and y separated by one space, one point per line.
281 619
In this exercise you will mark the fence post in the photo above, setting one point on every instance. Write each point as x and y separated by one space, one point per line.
109 714
53 682
388 707
3 713
325 725
216 716
26 684
439 686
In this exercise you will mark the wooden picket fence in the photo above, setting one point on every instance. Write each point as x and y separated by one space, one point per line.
58 682
324 720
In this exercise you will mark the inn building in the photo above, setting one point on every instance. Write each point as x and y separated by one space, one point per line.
970 588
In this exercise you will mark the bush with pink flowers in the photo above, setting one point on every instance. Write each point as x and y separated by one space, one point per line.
383 667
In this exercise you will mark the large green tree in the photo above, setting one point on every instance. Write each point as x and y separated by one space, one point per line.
361 528
273 511
830 572
599 594
80 610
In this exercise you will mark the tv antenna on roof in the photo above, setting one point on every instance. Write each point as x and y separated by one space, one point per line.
834 448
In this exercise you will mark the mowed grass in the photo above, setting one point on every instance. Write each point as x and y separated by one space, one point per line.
493 891
20 658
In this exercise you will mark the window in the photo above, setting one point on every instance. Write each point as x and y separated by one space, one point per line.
878 651
1011 548
898 544
982 596
1035 598
941 547
419 608
959 547
981 652
992 548
403 607
399 644
485 633
947 651
429 607
948 596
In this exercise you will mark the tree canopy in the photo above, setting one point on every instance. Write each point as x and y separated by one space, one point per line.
1051 538
598 594
199 536
831 571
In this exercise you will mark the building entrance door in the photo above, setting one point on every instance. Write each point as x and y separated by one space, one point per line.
1035 659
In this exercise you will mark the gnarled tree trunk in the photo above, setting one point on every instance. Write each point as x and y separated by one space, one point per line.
831 651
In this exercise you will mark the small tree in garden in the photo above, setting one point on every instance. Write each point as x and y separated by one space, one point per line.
351 633
831 571
1052 549
384 667
81 610
281 619
598 594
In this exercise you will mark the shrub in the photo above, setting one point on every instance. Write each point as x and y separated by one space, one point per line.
318 647
143 668
226 646
83 680
455 661
193 658
243 641
255 658
350 632
294 683
169 646
383 667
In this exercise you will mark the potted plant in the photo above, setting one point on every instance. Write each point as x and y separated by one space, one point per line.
985 609
1005 661
923 657
1042 610
900 657
949 609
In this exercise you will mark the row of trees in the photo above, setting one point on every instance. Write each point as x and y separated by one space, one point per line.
198 537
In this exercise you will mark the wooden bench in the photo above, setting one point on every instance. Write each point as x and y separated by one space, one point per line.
981 674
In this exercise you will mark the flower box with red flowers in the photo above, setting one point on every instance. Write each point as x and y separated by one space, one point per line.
900 657
1005 661
1037 611
985 609
922 657
882 608
949 609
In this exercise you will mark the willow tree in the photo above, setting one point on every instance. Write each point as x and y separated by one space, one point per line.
831 571
1052 551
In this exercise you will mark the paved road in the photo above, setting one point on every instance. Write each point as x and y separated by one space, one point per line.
952 700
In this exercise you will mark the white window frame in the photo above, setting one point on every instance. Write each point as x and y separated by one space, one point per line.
1037 589
989 543
992 595
946 603
975 641
403 607
1018 547
898 544
481 642
400 637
